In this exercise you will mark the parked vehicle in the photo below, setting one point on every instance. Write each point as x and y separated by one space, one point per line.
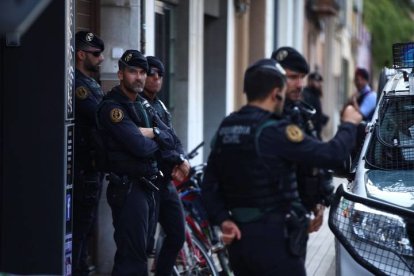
372 217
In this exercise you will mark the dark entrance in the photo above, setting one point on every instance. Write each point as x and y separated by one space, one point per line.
35 142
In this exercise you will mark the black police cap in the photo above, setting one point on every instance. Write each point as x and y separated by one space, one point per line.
291 59
133 58
157 63
84 39
315 76
267 64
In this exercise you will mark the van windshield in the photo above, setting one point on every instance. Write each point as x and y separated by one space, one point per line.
392 145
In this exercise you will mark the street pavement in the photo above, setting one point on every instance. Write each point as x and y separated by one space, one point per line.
320 257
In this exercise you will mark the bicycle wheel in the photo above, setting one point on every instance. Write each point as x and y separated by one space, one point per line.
193 259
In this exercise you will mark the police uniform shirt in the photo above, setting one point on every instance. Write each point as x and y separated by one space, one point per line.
160 108
88 94
311 97
284 142
165 116
122 119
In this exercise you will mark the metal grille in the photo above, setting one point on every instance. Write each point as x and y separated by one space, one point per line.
392 146
380 240
403 55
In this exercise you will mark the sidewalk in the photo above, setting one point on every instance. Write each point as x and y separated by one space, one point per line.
320 257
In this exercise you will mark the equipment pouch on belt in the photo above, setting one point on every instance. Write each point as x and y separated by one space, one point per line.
118 189
296 230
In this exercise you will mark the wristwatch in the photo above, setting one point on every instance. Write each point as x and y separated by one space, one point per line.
156 131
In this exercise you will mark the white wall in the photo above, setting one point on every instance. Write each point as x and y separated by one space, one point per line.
269 26
195 77
121 30
230 56
290 23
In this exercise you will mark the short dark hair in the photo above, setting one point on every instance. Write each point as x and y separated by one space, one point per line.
261 77
362 72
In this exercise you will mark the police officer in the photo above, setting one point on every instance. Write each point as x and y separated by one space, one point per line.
312 95
87 181
135 139
249 187
314 184
169 208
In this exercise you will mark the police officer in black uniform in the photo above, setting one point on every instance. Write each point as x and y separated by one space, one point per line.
314 184
169 208
312 95
135 140
249 187
88 179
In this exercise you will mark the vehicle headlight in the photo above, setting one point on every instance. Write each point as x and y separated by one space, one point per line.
381 228
379 240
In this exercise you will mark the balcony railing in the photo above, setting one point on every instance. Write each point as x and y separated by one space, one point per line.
324 7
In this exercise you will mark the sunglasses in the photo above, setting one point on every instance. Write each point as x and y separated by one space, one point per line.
154 71
95 54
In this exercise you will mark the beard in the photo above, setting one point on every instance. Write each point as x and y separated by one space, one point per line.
92 67
294 94
135 87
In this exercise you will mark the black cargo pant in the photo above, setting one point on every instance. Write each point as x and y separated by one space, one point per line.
262 249
171 217
133 214
86 192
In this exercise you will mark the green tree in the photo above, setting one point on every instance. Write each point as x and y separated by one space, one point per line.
389 22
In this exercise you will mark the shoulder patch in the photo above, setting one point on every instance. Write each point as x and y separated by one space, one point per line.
82 92
116 115
294 133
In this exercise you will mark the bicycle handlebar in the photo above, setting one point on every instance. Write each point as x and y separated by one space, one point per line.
194 152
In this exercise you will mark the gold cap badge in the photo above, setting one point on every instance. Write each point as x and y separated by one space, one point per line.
128 57
281 55
89 37
294 133
81 92
117 115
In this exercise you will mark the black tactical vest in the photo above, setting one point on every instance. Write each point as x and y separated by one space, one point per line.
245 178
113 155
85 125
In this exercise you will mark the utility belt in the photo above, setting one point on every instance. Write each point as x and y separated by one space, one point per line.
251 214
125 181
296 229
296 223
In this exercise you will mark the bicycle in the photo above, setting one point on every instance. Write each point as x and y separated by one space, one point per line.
195 257
196 217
